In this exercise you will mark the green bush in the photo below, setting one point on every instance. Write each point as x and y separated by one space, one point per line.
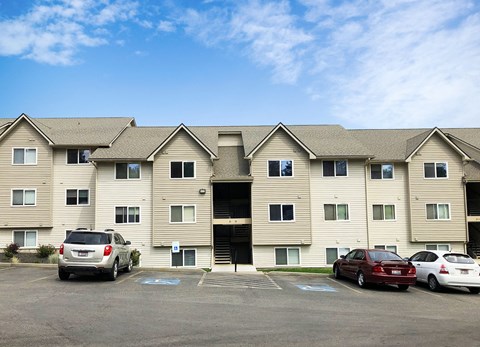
53 259
11 250
44 251
136 257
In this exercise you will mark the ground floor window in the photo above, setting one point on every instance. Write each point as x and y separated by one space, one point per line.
335 253
25 238
287 256
386 247
186 257
438 247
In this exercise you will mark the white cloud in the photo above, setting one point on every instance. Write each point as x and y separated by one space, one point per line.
166 26
53 31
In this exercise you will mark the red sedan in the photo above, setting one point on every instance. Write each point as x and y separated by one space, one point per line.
375 266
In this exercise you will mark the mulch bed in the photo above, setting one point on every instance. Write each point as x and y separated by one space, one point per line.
25 258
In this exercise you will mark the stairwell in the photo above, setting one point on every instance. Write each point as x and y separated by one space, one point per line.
222 250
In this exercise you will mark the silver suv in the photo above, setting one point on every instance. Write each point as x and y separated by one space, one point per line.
94 252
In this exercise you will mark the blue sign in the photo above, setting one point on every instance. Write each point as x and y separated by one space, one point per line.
160 281
316 287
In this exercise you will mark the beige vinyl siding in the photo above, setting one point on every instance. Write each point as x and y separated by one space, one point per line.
37 177
428 191
136 192
167 192
336 190
281 190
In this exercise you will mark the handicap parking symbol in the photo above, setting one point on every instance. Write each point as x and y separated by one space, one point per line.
316 287
161 281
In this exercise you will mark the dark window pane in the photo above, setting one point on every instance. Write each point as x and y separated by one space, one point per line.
133 171
176 213
331 255
275 213
441 170
176 169
273 168
121 171
281 256
432 211
330 212
72 156
71 197
429 170
83 197
287 168
120 215
377 212
328 168
19 156
188 169
83 156
134 215
189 256
341 168
387 170
287 211
17 197
376 171
177 259
19 238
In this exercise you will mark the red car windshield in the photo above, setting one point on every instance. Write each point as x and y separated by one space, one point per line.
380 256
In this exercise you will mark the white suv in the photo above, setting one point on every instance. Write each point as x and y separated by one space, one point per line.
94 252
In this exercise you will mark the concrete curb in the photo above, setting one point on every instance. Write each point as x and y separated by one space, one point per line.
40 265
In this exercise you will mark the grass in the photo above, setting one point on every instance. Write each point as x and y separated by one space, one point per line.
319 270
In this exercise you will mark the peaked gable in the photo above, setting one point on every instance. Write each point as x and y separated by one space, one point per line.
24 117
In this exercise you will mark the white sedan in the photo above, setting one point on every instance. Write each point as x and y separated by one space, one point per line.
442 268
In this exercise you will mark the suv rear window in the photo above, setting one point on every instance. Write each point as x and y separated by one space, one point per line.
458 258
89 238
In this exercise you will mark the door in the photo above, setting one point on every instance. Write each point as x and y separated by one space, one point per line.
419 261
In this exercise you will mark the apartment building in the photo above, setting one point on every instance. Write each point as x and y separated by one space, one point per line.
262 195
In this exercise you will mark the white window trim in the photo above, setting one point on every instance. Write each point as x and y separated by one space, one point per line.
281 211
77 204
183 173
23 205
335 169
280 163
183 258
78 156
127 222
128 178
438 219
435 166
385 247
338 252
24 150
336 216
25 238
288 248
183 214
436 245
385 220
381 170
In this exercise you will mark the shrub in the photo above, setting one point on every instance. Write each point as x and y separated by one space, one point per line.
44 251
11 250
15 260
53 259
136 256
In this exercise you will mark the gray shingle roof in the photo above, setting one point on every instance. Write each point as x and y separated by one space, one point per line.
231 164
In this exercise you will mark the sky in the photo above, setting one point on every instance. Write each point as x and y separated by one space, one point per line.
358 63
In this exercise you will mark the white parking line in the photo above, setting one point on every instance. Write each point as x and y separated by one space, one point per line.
201 279
344 285
425 292
40 279
123 280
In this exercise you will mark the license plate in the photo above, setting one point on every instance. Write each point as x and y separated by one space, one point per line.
396 272
463 272
82 254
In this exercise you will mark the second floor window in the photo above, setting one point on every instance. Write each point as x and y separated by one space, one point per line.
335 168
383 212
435 170
280 168
24 197
127 214
77 197
282 213
438 211
78 156
182 214
336 212
182 169
381 171
24 156
127 171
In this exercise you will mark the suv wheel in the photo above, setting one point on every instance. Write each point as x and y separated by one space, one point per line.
112 276
63 275
129 266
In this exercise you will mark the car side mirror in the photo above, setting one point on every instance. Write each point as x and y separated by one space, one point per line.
127 243
342 257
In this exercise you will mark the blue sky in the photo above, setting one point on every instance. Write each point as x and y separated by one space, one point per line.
359 63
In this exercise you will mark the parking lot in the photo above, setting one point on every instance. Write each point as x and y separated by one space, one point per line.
194 308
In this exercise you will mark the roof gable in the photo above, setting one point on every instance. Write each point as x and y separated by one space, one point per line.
24 117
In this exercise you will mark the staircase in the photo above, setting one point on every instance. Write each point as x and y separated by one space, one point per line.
222 250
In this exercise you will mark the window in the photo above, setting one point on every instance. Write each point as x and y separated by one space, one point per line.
24 156
381 171
25 238
383 212
336 212
335 253
182 169
24 197
438 211
332 168
127 214
282 213
182 214
388 248
127 171
77 197
287 256
437 247
280 168
186 257
78 156
435 170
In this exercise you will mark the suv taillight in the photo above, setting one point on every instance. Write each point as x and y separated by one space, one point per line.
443 269
61 249
108 250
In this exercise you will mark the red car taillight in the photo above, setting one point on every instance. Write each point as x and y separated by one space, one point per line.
377 268
61 249
412 271
443 269
108 250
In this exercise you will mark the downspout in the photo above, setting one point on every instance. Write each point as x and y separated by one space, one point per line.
465 207
410 202
367 162
96 196
212 231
